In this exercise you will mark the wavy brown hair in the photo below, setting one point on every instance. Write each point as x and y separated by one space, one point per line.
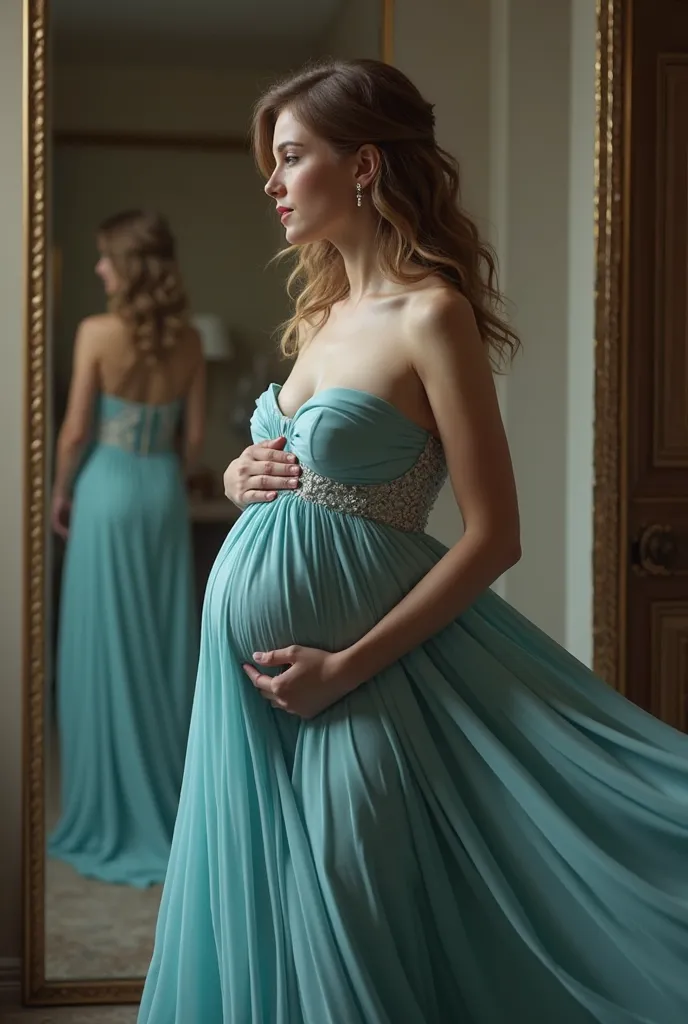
422 228
150 297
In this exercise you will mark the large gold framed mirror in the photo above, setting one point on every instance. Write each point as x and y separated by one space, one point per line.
131 104
141 105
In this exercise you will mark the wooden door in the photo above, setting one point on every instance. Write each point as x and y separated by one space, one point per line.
656 409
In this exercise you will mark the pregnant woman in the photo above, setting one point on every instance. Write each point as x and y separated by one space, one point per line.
402 802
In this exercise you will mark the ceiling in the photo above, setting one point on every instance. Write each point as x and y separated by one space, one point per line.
238 33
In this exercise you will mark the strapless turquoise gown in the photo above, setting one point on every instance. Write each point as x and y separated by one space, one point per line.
127 649
484 833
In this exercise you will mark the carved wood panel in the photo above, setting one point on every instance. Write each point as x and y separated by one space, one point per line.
654 409
670 426
669 690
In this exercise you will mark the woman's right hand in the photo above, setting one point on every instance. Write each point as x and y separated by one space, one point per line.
60 510
260 472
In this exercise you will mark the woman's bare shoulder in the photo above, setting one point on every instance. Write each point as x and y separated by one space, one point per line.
103 323
436 311
99 333
434 297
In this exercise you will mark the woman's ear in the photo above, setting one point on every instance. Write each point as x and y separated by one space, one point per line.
367 164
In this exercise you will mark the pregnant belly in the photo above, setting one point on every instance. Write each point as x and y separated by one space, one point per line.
294 572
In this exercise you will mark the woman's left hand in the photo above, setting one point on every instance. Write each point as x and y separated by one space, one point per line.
313 681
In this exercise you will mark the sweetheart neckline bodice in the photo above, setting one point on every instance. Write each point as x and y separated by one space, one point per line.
369 397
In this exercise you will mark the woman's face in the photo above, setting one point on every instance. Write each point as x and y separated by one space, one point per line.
313 186
106 273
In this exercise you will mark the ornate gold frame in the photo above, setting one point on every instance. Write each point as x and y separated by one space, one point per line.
611 241
36 989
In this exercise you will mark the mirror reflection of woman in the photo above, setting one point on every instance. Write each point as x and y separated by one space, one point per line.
128 634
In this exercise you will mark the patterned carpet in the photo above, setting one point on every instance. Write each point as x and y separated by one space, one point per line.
93 930
72 1015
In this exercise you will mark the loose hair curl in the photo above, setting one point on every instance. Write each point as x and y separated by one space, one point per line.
150 297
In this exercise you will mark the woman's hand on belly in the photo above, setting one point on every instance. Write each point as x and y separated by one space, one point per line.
313 681
260 472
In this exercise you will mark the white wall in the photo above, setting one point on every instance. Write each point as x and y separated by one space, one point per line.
11 475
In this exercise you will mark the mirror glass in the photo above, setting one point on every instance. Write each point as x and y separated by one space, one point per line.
150 107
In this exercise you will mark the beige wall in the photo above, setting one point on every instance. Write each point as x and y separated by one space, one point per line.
535 156
444 47
11 476
513 83
581 329
495 106
356 31
546 155
128 99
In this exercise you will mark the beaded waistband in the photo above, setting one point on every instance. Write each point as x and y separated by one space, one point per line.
404 503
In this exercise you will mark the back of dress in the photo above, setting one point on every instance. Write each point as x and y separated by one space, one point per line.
143 398
128 636
138 428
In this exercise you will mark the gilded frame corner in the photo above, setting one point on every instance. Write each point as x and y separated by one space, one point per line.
612 93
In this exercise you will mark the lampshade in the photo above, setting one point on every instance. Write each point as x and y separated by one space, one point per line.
215 337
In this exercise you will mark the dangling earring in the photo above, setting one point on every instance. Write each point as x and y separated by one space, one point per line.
359 194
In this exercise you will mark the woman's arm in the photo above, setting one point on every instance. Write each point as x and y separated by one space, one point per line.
194 414
450 358
76 426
